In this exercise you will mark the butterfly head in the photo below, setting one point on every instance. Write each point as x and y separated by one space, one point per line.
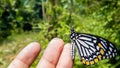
72 30
73 34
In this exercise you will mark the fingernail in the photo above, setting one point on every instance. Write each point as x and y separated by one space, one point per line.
33 42
68 44
56 39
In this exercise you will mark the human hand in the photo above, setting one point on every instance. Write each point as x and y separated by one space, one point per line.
56 55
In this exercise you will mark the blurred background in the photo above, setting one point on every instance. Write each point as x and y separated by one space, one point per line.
25 21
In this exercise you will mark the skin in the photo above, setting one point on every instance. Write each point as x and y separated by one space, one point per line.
56 55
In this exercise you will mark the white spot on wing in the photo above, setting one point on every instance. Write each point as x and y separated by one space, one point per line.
83 43
98 48
94 41
109 52
110 49
91 58
110 56
89 36
94 56
76 37
97 53
103 57
103 40
113 54
106 54
79 48
93 49
111 45
90 51
90 43
87 52
104 45
115 50
85 38
84 51
86 59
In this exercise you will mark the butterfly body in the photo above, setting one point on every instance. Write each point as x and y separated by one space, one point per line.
91 48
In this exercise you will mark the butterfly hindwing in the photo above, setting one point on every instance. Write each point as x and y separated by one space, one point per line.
73 50
92 48
110 50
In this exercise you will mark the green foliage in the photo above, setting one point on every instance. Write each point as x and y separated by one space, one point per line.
100 18
14 14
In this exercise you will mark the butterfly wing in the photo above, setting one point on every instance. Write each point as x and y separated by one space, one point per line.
108 47
92 48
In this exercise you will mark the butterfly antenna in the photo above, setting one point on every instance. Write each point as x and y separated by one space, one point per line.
72 29
71 20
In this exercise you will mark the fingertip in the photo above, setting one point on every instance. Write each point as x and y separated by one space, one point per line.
57 41
36 45
56 44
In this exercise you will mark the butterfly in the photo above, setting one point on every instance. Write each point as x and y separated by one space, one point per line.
91 48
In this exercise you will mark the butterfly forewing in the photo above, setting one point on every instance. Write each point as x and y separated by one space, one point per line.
92 48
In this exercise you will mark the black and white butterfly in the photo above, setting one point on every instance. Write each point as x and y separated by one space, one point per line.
91 48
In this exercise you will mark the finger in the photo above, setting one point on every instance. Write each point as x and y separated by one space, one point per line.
65 60
26 57
51 54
